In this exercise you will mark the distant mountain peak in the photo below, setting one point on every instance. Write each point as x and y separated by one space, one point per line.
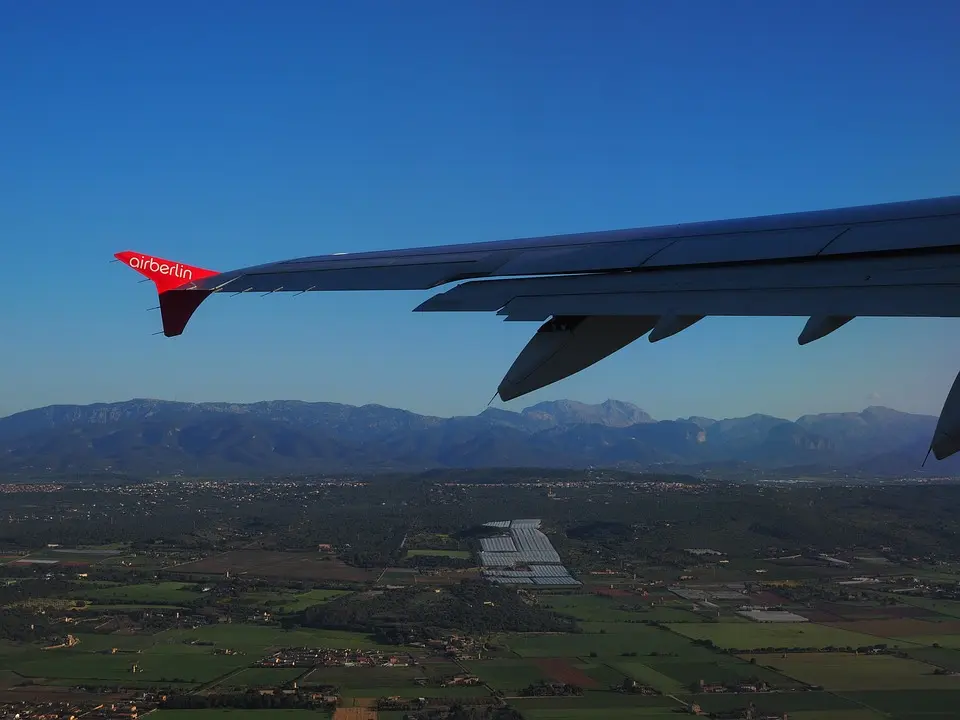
151 436
609 413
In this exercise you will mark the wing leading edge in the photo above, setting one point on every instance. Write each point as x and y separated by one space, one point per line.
595 293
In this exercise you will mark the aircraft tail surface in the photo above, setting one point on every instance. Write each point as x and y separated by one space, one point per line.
172 280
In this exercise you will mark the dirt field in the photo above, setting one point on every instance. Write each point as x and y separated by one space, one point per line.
614 592
560 670
839 612
269 564
354 713
765 597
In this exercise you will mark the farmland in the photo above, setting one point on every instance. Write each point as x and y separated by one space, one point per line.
266 564
207 625
845 672
456 554
160 593
735 636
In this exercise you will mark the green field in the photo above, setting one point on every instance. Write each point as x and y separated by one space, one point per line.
842 671
673 675
752 636
261 677
646 675
599 703
89 557
91 642
507 675
911 704
837 715
413 691
459 554
575 713
349 677
950 608
947 641
789 702
946 658
627 609
618 638
171 593
398 576
301 601
257 638
169 657
76 664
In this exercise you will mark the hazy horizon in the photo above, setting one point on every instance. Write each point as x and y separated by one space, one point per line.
518 407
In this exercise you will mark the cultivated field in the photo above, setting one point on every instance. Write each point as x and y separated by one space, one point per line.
902 628
605 640
287 565
753 636
843 671
458 554
168 593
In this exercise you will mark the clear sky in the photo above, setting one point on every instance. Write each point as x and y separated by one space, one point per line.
226 133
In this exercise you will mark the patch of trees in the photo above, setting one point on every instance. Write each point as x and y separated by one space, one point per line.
33 589
22 626
545 689
459 711
601 531
251 700
472 606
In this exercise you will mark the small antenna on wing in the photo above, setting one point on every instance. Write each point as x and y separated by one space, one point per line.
158 332
272 291
926 457
303 291
493 398
155 307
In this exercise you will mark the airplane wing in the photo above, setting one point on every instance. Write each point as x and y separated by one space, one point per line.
595 293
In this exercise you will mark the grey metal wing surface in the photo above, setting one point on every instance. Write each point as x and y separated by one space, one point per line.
594 293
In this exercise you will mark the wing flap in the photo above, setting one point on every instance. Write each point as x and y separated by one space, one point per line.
565 346
889 301
753 287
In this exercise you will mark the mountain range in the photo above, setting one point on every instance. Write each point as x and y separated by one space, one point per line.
147 438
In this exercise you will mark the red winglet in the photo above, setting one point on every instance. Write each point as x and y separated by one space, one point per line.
166 275
175 307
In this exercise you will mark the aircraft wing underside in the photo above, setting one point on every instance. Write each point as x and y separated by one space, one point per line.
595 293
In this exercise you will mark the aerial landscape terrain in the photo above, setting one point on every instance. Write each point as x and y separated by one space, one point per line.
550 593
375 476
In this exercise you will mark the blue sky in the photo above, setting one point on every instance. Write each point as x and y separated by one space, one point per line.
229 133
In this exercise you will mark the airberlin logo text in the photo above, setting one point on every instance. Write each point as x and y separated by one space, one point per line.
152 265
